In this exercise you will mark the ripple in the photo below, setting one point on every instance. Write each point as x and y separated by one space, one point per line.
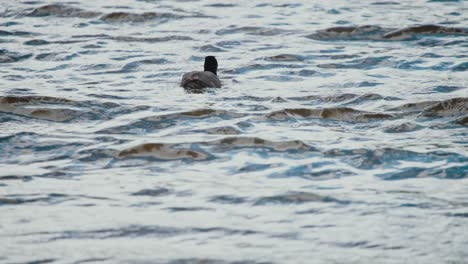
135 39
293 198
127 68
254 142
221 5
59 10
453 172
361 64
213 261
225 130
163 152
16 33
260 31
10 57
152 192
462 121
228 44
152 40
137 18
460 67
129 231
40 42
196 151
446 88
9 105
413 107
410 33
168 120
135 231
374 158
365 98
370 32
285 57
349 33
135 64
332 98
446 108
228 199
52 108
36 42
334 113
51 199
261 67
385 3
187 209
313 172
463 215
210 48
403 128
56 56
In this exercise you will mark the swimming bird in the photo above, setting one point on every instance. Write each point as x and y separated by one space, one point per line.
203 79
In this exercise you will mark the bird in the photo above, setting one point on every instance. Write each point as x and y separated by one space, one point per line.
202 79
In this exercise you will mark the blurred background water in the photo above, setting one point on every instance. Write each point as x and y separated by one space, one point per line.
339 136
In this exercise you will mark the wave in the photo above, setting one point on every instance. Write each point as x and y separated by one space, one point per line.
194 151
445 108
41 42
10 57
152 192
168 120
349 33
162 152
260 31
61 10
56 56
255 142
223 130
10 104
285 57
137 18
16 33
377 33
54 108
150 40
262 67
53 198
462 121
334 113
285 198
368 159
139 231
402 128
314 171
361 64
345 98
412 32
135 39
449 172
295 198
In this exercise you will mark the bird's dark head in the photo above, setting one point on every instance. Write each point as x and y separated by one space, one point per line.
211 64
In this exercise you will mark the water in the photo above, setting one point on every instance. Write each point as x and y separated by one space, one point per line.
339 136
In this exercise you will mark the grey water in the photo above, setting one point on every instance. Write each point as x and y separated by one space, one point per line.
340 134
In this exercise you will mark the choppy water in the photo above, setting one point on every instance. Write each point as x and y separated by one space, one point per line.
340 135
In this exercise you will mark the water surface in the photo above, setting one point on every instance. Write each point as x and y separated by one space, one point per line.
339 136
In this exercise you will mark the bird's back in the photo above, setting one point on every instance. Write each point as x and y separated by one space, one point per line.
200 80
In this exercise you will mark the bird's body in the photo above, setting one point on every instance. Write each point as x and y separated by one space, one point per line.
202 79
